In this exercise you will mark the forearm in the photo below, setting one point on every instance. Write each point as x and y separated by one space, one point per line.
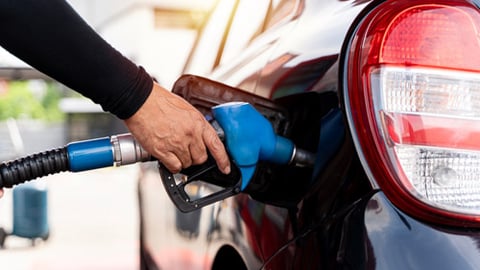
53 38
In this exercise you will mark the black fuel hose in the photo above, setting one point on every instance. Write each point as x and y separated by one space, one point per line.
33 166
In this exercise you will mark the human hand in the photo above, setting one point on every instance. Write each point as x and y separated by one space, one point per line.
1 192
176 133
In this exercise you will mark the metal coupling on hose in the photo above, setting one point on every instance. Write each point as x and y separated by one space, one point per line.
126 150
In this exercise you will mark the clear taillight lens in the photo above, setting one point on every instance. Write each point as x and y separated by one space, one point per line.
431 124
413 101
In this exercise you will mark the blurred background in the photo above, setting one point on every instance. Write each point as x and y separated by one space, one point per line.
92 216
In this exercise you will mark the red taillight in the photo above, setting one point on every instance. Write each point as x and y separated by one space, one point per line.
413 101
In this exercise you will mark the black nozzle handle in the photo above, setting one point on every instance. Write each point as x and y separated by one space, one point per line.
33 166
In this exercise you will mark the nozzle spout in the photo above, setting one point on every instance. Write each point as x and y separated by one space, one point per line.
303 158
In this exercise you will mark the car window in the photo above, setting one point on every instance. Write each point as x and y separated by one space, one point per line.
253 17
281 10
223 37
249 17
205 52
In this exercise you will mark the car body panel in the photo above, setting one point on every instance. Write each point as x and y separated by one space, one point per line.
330 217
397 241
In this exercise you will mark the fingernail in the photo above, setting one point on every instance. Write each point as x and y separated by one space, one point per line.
226 170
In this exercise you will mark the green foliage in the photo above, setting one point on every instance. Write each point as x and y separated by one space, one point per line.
50 103
19 101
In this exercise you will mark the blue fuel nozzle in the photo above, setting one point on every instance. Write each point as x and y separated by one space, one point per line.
250 138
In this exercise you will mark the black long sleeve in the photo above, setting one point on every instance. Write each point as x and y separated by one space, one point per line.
51 37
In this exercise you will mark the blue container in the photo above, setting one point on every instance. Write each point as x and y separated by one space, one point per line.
30 215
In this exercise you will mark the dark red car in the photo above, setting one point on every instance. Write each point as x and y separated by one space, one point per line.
386 93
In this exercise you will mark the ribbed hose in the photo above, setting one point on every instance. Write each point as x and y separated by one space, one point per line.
33 166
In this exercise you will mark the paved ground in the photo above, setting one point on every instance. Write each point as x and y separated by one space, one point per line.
93 223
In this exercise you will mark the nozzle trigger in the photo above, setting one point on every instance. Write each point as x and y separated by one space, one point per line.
200 185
